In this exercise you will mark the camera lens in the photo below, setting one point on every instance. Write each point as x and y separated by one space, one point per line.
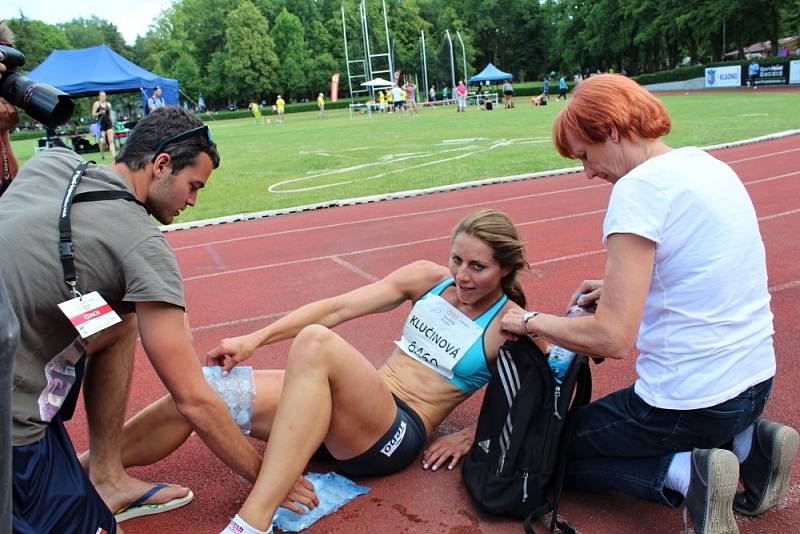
41 102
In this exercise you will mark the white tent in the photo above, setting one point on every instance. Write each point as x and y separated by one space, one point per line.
378 83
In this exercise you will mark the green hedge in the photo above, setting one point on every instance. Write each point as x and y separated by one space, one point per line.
22 136
680 74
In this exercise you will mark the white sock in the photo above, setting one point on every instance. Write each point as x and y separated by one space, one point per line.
680 473
743 442
240 526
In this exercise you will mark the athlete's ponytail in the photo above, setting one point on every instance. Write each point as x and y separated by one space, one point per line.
496 229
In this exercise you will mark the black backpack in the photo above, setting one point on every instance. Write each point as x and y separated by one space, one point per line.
525 423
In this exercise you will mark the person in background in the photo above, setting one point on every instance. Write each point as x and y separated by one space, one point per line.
321 104
508 94
461 97
101 111
432 93
255 110
280 105
753 74
411 97
562 89
685 283
382 101
155 101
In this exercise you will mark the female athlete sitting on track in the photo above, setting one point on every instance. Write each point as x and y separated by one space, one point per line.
374 422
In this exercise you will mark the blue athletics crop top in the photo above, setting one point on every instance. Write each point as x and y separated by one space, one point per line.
443 338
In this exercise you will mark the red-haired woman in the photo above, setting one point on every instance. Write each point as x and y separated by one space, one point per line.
686 284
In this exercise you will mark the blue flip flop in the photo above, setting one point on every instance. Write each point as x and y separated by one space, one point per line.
138 509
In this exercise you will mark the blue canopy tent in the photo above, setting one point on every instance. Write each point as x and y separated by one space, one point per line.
87 71
490 74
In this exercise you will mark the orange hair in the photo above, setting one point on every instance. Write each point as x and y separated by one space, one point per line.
607 102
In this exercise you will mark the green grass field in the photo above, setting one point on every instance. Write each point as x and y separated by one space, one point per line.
307 160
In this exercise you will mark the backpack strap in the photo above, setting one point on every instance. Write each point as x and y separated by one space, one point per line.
583 393
535 516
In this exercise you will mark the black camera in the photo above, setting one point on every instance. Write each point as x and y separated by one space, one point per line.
42 102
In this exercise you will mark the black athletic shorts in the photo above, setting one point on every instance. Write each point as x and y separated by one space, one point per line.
396 449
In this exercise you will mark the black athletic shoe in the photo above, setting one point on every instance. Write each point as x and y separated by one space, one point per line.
715 475
765 472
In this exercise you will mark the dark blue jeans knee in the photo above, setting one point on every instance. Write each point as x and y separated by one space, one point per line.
624 444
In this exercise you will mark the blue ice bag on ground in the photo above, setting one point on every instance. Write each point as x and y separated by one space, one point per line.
333 490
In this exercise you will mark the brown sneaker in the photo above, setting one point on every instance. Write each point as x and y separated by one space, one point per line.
715 475
765 472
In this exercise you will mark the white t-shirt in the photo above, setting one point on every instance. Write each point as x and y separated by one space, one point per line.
706 333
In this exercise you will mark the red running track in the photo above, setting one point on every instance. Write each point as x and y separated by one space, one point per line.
240 276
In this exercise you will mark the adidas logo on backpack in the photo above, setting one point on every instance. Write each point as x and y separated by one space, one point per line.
523 431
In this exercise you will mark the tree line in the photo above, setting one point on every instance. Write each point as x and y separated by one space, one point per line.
234 51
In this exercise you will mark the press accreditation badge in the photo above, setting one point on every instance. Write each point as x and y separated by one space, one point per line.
438 335
89 314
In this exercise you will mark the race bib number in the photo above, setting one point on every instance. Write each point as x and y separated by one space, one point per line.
438 335
89 314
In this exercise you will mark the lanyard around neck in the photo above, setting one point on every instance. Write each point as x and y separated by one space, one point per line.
66 247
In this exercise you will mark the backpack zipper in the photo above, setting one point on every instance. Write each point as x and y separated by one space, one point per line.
524 486
556 396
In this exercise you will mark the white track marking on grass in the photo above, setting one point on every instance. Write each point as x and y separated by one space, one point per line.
753 115
468 150
349 266
459 141
436 189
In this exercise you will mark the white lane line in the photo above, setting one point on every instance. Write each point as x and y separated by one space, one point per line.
395 217
349 266
278 315
429 240
433 211
364 251
777 215
226 324
761 156
787 285
771 178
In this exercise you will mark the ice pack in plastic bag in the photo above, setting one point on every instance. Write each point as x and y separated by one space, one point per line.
333 490
238 391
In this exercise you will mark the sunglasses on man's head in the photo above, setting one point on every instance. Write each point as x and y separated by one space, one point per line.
182 137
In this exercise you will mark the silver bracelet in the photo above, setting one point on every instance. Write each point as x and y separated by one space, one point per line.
527 316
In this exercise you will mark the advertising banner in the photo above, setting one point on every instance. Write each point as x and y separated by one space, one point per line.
724 76
772 74
794 71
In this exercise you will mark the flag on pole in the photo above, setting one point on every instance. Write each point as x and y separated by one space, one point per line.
335 87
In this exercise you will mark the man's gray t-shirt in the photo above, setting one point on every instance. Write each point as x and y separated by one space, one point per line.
119 253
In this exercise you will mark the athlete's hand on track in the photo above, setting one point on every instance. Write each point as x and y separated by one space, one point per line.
451 447
301 493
